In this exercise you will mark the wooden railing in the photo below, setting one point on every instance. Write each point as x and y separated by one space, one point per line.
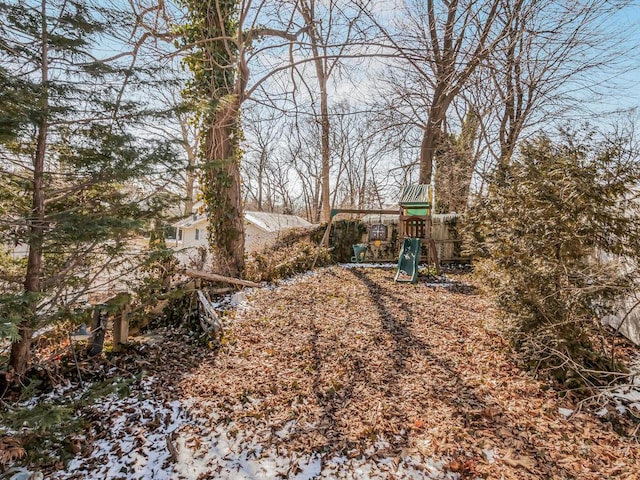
415 226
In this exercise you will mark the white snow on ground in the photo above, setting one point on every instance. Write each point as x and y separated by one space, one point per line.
565 412
206 445
628 396
369 265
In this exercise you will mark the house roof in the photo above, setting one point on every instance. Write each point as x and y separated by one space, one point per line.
274 222
418 194
192 221
268 222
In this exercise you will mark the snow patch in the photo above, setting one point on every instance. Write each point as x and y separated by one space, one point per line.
188 439
367 265
490 455
628 396
565 412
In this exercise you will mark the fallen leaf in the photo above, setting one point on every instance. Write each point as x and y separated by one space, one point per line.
514 460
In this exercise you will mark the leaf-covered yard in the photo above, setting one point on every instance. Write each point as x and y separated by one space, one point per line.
345 374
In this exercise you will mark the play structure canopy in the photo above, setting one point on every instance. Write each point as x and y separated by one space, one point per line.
416 195
416 199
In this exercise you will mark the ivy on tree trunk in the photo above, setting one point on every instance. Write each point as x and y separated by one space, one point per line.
217 88
221 189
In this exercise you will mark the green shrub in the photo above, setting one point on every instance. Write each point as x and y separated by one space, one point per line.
344 234
557 240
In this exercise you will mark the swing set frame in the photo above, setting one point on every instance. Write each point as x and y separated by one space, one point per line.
338 211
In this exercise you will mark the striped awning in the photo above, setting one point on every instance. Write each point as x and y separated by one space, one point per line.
416 195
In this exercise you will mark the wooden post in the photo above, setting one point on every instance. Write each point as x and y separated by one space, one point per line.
121 328
434 255
325 238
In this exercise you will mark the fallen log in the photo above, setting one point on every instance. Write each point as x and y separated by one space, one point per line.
214 277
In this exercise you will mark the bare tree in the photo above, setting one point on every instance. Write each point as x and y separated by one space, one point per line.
189 142
551 56
331 28
442 43
302 147
512 64
180 174
263 132
358 152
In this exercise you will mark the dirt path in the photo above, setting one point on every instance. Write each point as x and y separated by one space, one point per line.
344 374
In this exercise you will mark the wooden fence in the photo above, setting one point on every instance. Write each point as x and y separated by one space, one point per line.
445 230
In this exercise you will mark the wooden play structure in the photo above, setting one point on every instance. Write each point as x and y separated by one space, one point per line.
415 231
416 204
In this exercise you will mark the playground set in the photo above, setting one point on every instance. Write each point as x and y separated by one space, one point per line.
415 230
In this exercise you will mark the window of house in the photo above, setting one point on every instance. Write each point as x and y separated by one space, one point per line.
180 234
197 234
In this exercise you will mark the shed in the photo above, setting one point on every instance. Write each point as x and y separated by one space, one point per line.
263 228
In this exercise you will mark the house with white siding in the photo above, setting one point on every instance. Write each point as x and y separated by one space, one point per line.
261 229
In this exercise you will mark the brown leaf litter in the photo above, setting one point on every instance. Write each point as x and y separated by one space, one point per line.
337 361
345 364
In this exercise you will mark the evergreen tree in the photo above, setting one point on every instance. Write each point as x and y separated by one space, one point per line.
69 156
557 240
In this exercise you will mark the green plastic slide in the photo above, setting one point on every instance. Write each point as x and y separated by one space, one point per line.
408 261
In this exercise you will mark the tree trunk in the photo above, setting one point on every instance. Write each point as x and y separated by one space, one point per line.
456 162
188 203
223 195
322 72
428 152
190 186
20 350
325 148
190 174
432 132
261 179
363 184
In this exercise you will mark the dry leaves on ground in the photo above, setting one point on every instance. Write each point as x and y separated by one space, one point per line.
346 365
340 359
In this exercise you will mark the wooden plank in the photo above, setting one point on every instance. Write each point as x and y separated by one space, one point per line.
121 329
214 277
211 320
433 254
98 327
337 211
